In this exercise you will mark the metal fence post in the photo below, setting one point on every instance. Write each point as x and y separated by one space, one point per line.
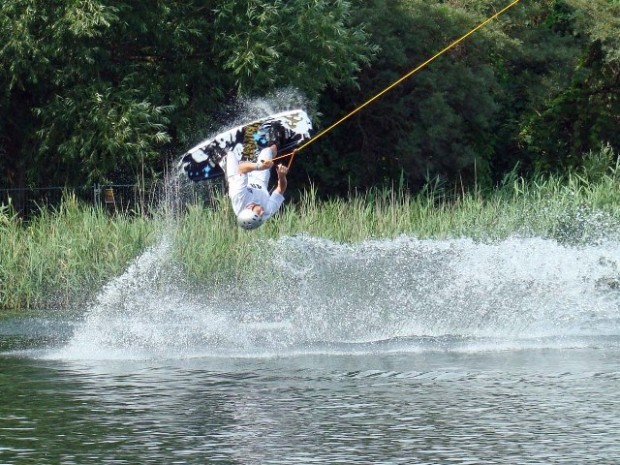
97 194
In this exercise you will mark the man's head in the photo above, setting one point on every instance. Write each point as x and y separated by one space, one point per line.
251 217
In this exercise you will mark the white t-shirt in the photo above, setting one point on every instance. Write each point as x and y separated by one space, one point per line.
244 189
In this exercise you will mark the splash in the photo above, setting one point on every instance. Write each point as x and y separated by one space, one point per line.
316 295
401 294
244 110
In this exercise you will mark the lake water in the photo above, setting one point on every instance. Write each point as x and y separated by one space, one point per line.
387 352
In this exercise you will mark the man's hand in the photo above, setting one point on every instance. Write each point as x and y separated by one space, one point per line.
282 170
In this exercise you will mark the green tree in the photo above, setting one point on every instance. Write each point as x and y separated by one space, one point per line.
306 44
437 124
503 98
94 90
583 114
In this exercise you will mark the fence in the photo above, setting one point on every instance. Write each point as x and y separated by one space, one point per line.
129 198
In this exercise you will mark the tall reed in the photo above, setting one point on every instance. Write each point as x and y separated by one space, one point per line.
569 210
66 254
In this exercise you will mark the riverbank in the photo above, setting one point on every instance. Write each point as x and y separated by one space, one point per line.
66 254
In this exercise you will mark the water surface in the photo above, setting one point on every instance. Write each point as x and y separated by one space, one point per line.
389 352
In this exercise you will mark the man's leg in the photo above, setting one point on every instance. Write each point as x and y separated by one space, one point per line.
232 165
260 179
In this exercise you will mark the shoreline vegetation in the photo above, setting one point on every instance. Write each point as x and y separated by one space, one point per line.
66 254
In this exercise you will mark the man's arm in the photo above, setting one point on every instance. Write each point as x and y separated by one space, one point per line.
282 182
248 166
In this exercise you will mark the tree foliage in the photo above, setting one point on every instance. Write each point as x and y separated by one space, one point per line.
99 90
268 44
437 124
536 89
583 112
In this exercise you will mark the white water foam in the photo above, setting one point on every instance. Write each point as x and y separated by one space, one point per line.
318 296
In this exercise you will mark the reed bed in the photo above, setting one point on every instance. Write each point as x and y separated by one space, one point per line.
67 253
571 210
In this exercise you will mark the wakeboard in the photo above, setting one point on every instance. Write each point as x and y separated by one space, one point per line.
287 130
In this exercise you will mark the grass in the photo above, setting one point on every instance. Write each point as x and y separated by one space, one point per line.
67 253
64 252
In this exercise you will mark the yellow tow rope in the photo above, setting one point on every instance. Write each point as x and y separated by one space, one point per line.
395 83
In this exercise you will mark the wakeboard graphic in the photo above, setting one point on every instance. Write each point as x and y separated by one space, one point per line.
206 160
